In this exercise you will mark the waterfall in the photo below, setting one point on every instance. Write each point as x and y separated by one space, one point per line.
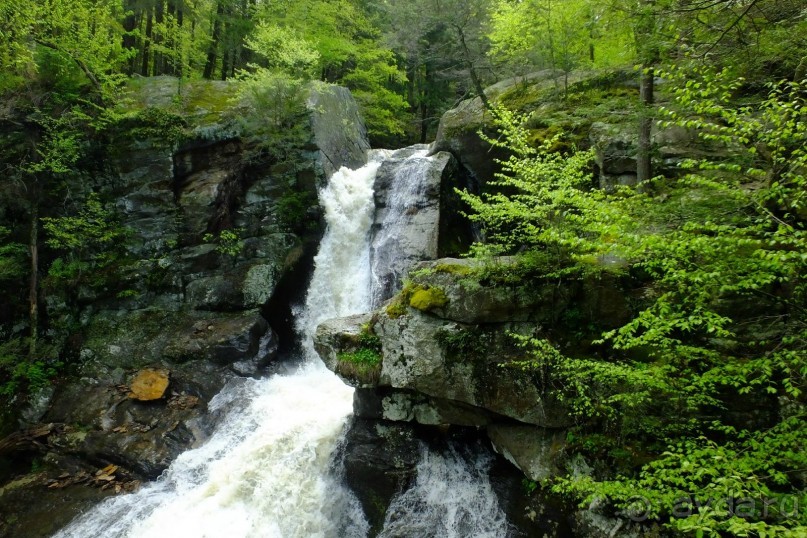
406 225
452 497
265 472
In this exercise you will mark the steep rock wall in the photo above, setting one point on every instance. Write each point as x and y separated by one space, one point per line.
180 304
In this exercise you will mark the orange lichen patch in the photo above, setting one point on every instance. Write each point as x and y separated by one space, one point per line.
149 384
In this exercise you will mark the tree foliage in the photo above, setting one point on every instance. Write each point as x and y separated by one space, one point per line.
731 232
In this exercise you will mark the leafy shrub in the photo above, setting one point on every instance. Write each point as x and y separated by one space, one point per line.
228 242
91 242
721 250
20 374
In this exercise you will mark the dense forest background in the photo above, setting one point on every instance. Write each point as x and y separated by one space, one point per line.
731 70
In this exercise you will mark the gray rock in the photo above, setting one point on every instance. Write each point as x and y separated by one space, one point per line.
223 340
535 451
458 131
337 335
467 389
251 282
339 132
472 302
36 406
407 225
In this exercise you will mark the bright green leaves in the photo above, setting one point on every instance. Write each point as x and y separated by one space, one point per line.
88 33
332 40
717 260
91 242
12 257
714 488
284 50
559 34
228 242
550 192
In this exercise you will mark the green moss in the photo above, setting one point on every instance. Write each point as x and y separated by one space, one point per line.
362 356
208 100
426 299
363 365
453 269
396 308
523 97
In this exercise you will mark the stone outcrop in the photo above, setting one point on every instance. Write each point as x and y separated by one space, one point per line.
412 223
454 362
381 458
610 130
458 130
340 136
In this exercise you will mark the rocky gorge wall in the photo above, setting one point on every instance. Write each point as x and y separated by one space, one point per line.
192 315
196 316
441 361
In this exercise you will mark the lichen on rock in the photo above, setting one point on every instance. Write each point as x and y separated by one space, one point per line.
149 384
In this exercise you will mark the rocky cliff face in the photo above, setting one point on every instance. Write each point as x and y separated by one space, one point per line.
448 355
193 308
415 218
557 104
449 359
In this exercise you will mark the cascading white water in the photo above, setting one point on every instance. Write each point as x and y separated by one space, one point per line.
391 253
452 497
264 472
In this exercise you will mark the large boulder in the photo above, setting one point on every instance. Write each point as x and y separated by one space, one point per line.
420 355
340 136
409 198
384 460
379 461
459 127
447 347
448 356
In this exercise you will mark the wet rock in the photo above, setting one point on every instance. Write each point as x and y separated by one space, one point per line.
247 283
149 384
379 460
409 211
535 451
337 336
28 508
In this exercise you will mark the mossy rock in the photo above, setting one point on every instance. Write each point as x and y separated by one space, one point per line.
362 366
427 299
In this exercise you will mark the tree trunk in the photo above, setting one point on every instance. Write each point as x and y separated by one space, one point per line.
644 167
477 83
210 65
33 285
144 68
646 45
158 67
225 64
129 26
